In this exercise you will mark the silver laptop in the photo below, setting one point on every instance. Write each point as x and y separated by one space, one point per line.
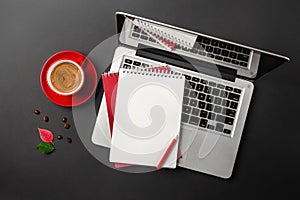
219 85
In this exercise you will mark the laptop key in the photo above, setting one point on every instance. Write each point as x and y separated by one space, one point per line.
228 112
225 53
203 81
128 61
186 92
195 111
229 120
207 89
135 35
217 109
234 96
211 116
193 102
219 127
126 66
194 50
215 42
217 100
222 45
217 51
228 88
236 90
203 123
233 105
232 55
211 127
199 87
196 79
238 49
203 113
243 64
194 120
227 60
210 55
219 57
201 96
209 98
246 51
206 40
177 46
209 107
151 39
201 104
220 86
202 53
145 65
184 118
136 63
225 103
230 47
223 94
144 37
227 131
185 48
186 109
187 77
191 85
185 101
213 84
193 94
243 57
235 62
220 118
216 92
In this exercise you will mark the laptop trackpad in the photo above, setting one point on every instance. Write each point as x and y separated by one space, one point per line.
187 138
198 141
208 144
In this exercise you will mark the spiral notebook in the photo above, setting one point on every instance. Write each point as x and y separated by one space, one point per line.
110 86
147 118
165 36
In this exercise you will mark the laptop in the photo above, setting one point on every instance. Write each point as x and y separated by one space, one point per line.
219 85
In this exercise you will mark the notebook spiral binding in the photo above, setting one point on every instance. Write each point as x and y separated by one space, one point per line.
158 72
166 38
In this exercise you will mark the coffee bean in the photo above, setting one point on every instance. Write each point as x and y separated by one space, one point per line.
69 140
37 112
64 119
46 118
59 137
66 126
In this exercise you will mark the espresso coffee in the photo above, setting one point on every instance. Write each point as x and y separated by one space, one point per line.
66 77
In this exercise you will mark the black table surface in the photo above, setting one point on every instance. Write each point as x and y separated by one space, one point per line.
267 164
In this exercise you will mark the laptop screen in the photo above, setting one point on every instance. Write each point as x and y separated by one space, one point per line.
248 62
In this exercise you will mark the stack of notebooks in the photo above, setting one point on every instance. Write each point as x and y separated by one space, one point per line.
144 111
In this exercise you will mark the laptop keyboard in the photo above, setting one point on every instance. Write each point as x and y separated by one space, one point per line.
210 105
207 47
207 104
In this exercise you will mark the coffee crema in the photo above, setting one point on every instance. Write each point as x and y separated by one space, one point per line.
66 77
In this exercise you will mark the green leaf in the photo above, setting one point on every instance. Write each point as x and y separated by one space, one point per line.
45 147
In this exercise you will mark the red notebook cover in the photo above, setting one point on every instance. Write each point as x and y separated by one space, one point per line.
110 86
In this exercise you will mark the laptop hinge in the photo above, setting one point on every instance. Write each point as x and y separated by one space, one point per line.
186 62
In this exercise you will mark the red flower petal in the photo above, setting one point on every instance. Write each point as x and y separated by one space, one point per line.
46 135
